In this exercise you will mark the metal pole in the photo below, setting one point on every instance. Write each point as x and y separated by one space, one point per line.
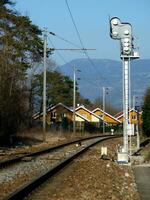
133 102
134 109
103 110
74 99
44 86
137 130
123 96
129 75
130 118
126 103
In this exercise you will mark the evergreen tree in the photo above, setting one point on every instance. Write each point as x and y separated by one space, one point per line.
20 45
146 113
59 88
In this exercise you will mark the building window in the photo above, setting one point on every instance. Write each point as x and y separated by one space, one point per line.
134 117
63 115
53 114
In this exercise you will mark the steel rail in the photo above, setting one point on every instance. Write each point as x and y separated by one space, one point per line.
26 189
46 150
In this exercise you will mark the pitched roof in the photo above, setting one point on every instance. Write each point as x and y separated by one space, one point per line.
90 112
98 109
69 109
120 114
36 115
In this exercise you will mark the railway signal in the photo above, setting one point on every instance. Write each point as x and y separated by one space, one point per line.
123 32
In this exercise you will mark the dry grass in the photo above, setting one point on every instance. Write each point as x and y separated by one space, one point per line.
37 133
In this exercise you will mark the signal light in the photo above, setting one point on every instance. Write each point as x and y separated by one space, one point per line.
123 32
126 39
126 48
126 32
115 22
115 33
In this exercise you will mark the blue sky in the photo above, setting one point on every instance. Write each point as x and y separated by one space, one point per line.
91 17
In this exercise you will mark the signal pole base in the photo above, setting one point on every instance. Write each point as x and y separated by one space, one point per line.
122 156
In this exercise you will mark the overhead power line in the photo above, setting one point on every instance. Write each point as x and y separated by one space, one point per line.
65 40
73 21
73 44
65 61
82 45
58 53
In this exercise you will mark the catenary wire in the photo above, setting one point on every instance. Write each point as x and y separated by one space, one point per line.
79 37
65 61
65 40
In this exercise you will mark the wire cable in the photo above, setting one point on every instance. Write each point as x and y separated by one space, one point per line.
82 45
65 61
57 51
73 44
65 40
73 21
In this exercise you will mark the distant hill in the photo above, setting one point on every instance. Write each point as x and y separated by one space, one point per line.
108 73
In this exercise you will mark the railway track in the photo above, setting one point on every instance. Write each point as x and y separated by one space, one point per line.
33 171
19 157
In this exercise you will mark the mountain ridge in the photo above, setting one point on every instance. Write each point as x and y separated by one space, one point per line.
98 73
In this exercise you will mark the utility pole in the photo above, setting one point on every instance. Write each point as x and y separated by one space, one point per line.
134 102
137 124
74 97
137 130
134 110
74 100
105 89
44 85
103 110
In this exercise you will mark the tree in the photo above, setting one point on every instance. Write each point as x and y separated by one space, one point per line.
108 107
59 89
146 113
20 45
83 101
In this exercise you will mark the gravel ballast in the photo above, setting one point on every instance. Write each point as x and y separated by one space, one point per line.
15 175
91 178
